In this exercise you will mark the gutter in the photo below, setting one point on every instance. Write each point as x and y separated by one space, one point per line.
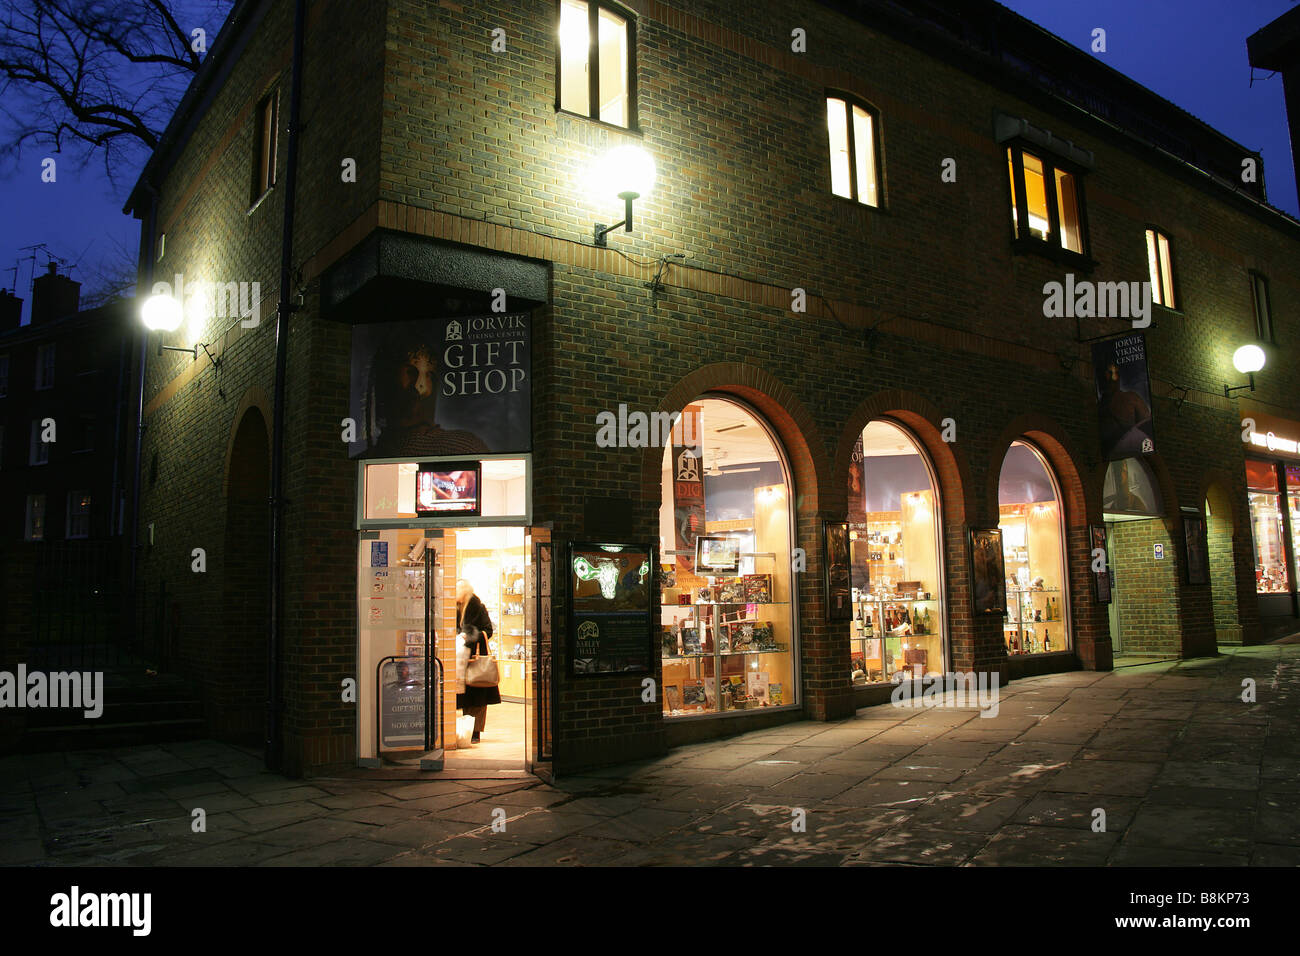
286 306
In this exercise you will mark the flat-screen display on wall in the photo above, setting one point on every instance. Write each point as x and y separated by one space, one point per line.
448 488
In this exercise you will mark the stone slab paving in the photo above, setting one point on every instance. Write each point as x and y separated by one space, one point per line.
1179 768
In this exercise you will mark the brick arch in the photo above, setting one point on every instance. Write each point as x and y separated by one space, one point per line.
924 420
236 695
1229 538
784 413
824 659
1164 481
1079 499
967 648
1081 504
1216 487
253 397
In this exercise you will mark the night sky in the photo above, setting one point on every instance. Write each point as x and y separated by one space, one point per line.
1192 52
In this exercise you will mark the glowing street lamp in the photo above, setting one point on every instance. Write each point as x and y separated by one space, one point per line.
629 173
161 313
1248 360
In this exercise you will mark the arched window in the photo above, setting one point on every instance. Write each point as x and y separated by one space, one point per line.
1033 541
894 532
727 619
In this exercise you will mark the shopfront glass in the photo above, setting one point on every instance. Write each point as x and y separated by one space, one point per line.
1293 505
466 520
727 619
894 527
1033 542
1263 491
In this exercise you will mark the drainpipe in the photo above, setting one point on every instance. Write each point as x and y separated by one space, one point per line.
150 241
274 743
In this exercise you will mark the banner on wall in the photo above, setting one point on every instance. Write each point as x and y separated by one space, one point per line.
445 386
688 485
859 549
1123 397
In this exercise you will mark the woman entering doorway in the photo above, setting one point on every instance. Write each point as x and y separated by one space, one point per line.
475 624
483 598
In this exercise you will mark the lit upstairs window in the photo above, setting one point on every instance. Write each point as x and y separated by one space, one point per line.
265 143
855 159
1160 262
1263 309
1045 201
597 79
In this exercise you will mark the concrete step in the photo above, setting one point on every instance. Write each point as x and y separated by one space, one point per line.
93 734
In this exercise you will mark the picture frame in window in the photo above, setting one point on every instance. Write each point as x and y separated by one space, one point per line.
1101 582
988 579
1197 550
836 564
717 554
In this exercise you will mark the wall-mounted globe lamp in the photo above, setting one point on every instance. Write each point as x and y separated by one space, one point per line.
627 172
161 313
1248 360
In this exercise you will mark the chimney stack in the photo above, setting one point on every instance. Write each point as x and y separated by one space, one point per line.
1277 47
11 311
54 296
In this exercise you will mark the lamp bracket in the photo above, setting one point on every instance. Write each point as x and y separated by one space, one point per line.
1229 389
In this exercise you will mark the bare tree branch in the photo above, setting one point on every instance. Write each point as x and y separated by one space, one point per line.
97 76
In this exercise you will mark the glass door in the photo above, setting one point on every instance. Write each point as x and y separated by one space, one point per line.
539 709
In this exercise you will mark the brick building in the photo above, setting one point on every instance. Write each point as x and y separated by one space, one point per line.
840 280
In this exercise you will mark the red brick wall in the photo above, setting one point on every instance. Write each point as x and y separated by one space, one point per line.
458 144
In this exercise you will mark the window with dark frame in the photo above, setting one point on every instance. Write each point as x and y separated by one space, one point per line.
45 366
1263 308
35 530
1160 263
78 516
39 452
265 143
1046 202
853 130
595 62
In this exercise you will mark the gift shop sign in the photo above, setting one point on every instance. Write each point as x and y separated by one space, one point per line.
453 385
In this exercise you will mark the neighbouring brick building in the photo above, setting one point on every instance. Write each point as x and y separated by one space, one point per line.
840 279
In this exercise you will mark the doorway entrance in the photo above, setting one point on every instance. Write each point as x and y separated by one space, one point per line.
486 566
1143 613
497 565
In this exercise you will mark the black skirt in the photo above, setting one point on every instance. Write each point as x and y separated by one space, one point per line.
478 697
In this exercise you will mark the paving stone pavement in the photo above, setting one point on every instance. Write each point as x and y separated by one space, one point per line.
1186 773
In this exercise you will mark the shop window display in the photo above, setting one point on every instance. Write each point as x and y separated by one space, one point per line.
1033 543
1293 503
727 634
1271 574
898 619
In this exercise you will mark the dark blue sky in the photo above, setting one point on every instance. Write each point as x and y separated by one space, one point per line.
1192 52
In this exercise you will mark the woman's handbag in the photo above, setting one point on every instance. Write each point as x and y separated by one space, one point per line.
482 672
